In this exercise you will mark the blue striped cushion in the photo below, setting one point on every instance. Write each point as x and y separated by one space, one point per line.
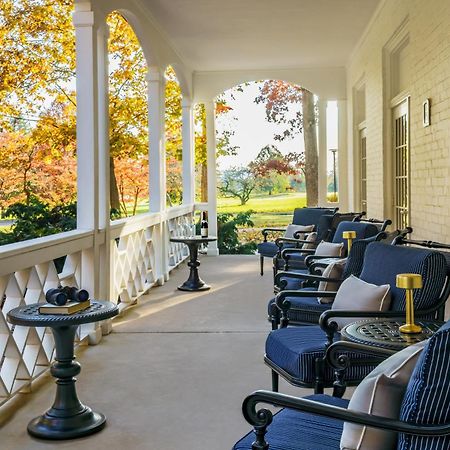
383 262
268 249
427 396
363 231
295 430
307 303
295 349
294 283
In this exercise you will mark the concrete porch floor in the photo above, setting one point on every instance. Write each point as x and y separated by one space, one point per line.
173 373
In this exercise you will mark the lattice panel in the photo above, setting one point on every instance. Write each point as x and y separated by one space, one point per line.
133 259
178 227
27 352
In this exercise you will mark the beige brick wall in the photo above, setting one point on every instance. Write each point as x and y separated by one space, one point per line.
428 27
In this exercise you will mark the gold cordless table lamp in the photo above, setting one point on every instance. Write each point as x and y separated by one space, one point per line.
349 235
409 282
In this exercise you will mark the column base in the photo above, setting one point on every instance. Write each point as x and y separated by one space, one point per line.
212 251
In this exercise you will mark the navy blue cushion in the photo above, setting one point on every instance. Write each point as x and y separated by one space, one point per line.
268 249
309 216
309 304
294 283
363 231
295 349
383 262
427 396
295 430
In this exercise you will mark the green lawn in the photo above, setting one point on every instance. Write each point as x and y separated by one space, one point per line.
268 210
279 203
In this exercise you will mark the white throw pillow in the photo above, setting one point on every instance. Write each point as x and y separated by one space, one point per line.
311 238
333 270
381 394
329 249
291 229
357 295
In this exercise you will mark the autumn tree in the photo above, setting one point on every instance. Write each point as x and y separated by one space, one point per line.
279 97
238 182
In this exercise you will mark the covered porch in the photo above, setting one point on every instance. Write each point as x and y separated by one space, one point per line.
177 361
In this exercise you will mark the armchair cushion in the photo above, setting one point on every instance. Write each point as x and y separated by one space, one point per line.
428 393
329 249
268 249
310 306
302 229
383 262
381 393
295 349
311 238
358 295
333 270
295 430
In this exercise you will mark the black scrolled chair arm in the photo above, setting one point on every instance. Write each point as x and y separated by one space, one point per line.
428 244
284 240
336 354
284 305
311 259
288 252
262 418
303 276
266 231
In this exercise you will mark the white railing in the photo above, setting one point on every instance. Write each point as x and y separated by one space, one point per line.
137 252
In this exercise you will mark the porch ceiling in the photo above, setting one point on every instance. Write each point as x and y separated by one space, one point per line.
234 34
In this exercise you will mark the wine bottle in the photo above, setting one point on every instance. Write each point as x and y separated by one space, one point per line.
204 226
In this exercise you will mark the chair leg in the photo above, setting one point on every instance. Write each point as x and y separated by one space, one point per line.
274 381
261 265
319 384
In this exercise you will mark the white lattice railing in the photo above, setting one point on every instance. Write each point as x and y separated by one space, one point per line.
137 252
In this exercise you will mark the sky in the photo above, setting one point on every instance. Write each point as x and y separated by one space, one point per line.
252 131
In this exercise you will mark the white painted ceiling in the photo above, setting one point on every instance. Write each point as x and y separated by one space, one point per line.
250 34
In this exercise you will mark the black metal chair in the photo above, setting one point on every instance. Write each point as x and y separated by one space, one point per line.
421 421
302 216
297 353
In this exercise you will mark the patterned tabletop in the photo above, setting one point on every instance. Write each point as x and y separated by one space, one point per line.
29 316
386 334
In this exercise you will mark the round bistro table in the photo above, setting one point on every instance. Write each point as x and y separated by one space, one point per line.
68 418
385 333
194 282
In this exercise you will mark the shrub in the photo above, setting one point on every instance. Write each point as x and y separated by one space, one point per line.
37 219
228 239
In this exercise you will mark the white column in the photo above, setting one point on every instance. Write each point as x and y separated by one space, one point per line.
188 153
91 123
87 118
322 169
342 156
212 175
157 170
157 162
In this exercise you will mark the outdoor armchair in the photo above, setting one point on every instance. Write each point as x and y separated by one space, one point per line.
302 216
412 418
297 353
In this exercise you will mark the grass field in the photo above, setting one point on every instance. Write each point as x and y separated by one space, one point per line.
268 211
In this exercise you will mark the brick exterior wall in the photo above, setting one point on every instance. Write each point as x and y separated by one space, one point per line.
428 25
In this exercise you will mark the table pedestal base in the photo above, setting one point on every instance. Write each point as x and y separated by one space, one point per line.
50 426
68 418
201 286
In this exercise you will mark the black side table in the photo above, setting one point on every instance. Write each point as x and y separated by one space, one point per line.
194 282
68 418
385 334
